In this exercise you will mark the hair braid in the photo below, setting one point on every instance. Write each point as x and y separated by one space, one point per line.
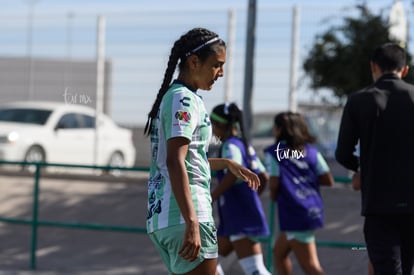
185 44
168 75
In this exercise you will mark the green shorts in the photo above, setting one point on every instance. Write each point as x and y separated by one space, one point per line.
301 236
168 242
234 238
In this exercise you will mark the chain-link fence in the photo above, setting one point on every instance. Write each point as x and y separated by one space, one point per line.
56 54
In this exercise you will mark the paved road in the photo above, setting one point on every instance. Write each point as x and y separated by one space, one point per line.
123 203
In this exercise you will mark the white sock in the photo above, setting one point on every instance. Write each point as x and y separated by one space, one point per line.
220 269
253 265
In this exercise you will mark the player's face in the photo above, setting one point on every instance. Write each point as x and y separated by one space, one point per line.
210 70
219 129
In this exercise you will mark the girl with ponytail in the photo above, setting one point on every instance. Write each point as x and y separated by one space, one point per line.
179 218
242 219
297 170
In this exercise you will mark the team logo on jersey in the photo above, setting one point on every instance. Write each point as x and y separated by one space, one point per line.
183 116
207 119
183 101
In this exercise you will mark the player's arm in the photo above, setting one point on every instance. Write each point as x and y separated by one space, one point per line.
177 148
237 169
324 174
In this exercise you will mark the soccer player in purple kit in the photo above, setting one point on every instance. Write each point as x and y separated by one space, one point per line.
242 219
296 171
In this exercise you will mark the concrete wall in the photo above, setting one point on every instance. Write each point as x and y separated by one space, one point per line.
50 79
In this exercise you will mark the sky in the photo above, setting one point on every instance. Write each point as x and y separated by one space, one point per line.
103 6
138 65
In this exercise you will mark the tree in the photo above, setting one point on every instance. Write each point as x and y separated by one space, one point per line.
339 58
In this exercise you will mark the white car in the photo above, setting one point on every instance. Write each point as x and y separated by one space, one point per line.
62 133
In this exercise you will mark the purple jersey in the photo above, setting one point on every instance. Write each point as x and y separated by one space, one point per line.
299 201
240 209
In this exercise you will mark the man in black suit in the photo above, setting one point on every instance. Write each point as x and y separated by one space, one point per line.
381 118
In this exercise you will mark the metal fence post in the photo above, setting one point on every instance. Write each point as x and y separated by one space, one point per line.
35 218
100 81
269 263
293 60
249 67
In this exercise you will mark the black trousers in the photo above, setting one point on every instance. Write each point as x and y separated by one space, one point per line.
390 243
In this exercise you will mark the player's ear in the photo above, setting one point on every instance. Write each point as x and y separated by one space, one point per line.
193 61
404 71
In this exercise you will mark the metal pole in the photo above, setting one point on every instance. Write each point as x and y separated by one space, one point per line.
293 60
249 66
68 63
228 87
29 45
100 78
35 218
273 234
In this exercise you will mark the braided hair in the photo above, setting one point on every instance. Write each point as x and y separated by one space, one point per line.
230 115
197 41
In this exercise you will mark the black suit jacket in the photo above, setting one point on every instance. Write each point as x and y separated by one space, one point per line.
381 118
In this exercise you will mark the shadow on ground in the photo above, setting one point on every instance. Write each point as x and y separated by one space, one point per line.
123 203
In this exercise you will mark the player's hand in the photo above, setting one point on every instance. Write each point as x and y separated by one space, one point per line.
356 181
245 174
191 243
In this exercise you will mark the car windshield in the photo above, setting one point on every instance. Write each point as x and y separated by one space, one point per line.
23 115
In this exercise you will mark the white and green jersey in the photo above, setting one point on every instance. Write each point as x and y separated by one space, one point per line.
181 114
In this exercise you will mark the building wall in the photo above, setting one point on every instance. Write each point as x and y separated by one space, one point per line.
72 82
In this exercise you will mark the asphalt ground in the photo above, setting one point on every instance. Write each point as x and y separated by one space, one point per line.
122 202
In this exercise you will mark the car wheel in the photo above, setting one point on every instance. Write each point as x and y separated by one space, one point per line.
34 154
116 160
